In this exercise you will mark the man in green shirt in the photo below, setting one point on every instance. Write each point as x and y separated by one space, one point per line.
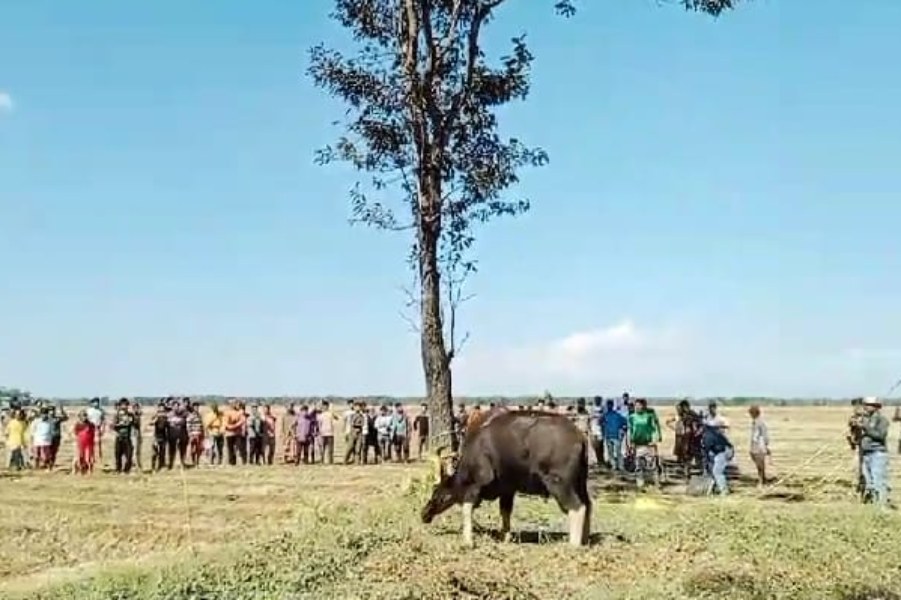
644 434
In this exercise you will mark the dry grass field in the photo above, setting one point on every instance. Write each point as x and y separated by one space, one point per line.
287 532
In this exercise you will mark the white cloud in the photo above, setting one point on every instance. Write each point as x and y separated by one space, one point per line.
618 356
6 102
675 360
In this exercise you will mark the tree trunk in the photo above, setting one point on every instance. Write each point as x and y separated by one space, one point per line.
435 360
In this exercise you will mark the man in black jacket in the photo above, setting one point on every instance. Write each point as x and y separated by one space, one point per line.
718 451
160 436
123 424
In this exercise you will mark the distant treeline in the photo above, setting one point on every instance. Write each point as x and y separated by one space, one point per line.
468 400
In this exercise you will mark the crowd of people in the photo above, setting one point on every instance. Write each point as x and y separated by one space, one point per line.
184 433
624 435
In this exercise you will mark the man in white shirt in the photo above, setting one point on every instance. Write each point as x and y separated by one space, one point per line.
98 418
41 439
714 419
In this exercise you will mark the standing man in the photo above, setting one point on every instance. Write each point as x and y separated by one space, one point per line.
853 436
137 440
242 432
58 416
383 430
178 434
269 424
255 433
372 437
194 423
16 429
326 420
400 433
98 418
348 417
760 444
303 436
459 423
644 435
597 429
421 428
41 439
287 429
874 428
160 436
213 427
677 425
581 418
233 424
356 427
123 423
613 428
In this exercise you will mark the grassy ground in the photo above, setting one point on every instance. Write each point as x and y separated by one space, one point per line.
353 532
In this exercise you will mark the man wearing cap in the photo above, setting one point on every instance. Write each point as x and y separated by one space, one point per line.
873 426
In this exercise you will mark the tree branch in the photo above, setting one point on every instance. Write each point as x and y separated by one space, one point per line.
455 299
472 55
451 34
410 301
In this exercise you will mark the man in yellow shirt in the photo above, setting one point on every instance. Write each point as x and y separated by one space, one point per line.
234 424
214 428
15 440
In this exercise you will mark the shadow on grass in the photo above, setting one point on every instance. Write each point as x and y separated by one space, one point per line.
533 536
784 496
537 536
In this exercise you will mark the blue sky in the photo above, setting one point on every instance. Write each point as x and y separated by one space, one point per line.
720 214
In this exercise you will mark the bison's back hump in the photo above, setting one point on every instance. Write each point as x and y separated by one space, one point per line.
530 418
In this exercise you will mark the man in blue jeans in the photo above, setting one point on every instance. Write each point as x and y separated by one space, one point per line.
613 427
718 451
873 427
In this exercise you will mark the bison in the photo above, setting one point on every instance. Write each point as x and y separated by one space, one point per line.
510 452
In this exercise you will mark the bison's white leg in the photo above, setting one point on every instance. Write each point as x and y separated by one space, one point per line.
577 525
467 523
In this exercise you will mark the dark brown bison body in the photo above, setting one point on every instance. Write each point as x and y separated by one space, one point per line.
527 452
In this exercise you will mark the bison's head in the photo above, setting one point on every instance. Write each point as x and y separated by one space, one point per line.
444 493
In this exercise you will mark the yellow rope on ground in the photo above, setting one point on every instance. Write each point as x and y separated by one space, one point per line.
830 477
791 474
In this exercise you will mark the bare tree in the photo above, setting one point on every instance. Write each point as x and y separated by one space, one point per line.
421 124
